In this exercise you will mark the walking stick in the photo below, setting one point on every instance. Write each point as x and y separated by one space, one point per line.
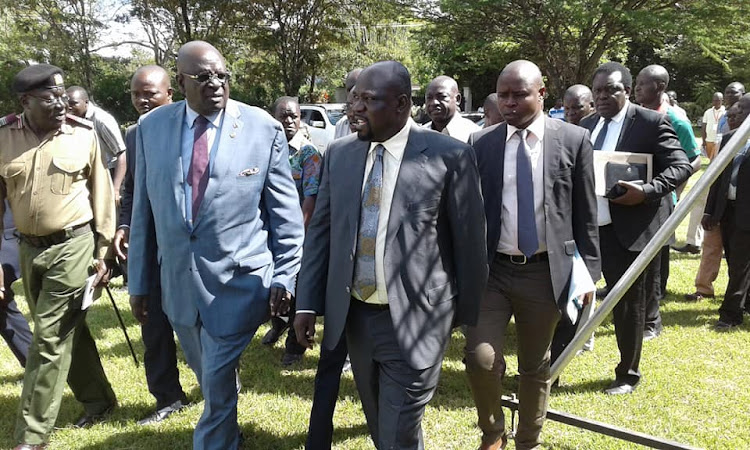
122 325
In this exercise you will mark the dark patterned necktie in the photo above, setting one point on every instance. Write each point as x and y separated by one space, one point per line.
528 242
602 135
364 269
198 171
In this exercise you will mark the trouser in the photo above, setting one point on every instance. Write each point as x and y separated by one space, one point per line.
711 149
708 270
737 245
630 312
291 345
393 393
525 292
13 326
160 356
62 345
657 279
695 230
327 382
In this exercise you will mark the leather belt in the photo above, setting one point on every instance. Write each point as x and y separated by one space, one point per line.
57 237
369 306
520 260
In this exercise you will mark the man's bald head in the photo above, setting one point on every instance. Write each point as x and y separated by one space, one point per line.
733 92
578 102
657 73
442 100
382 101
203 77
744 105
650 86
717 100
492 114
520 93
78 100
351 79
150 88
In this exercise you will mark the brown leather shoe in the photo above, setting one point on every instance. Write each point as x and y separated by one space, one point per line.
30 447
498 444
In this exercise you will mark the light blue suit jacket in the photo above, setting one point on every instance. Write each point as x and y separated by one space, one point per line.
248 232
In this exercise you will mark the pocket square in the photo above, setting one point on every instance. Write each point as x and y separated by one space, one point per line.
248 172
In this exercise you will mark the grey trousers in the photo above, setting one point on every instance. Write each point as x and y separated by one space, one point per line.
525 292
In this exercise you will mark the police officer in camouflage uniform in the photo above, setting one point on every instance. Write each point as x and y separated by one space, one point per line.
59 191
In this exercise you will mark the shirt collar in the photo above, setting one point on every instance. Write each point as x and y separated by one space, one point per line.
536 128
190 116
298 140
396 144
620 115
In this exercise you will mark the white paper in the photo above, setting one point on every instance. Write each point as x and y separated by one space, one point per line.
89 292
580 284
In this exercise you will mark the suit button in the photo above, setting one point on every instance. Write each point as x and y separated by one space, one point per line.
348 289
193 237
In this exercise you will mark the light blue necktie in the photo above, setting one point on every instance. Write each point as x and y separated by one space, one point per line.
528 242
364 268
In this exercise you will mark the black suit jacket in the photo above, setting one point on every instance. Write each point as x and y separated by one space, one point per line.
717 196
126 200
436 232
646 131
569 199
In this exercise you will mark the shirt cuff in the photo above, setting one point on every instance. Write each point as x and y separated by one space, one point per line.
123 227
306 311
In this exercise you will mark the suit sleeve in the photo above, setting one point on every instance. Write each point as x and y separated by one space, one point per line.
469 233
143 244
716 191
584 209
671 158
126 201
281 204
311 288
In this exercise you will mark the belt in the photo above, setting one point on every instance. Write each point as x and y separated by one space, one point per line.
522 259
58 237
369 306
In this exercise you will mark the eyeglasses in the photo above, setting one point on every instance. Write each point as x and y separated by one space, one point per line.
51 101
204 78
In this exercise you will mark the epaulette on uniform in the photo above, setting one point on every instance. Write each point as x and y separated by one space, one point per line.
9 119
79 121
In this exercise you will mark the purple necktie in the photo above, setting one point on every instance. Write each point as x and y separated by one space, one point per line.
198 172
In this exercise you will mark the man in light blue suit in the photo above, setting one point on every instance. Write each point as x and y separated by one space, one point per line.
214 198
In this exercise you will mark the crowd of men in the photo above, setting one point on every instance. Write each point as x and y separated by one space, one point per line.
229 216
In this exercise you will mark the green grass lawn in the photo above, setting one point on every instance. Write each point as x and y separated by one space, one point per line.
694 389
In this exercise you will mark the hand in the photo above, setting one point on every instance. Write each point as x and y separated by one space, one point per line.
280 300
138 307
587 298
304 326
122 237
708 223
117 198
103 272
633 196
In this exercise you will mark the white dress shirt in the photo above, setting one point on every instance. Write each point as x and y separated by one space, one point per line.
508 243
458 128
610 144
188 131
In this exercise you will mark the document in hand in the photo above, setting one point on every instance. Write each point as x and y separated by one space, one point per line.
610 167
580 284
90 293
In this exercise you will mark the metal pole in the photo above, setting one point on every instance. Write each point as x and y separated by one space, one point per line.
721 161
122 325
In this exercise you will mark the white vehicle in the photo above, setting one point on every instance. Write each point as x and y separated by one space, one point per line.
321 121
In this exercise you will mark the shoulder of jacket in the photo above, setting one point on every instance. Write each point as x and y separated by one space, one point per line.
9 119
74 120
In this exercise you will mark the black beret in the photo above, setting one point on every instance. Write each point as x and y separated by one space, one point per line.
38 76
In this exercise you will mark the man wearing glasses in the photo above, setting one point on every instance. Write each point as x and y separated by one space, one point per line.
214 193
58 188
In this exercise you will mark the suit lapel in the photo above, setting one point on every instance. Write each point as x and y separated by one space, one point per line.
411 169
497 168
173 157
627 123
352 178
551 154
231 127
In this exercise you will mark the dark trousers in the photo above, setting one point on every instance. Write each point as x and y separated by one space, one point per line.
327 382
658 280
737 249
393 393
630 312
13 325
160 357
291 345
526 293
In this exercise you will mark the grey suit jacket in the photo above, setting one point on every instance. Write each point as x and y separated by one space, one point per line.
569 199
435 272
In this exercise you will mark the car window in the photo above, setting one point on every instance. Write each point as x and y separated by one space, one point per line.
334 115
313 115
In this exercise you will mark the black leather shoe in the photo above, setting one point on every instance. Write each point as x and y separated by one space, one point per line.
722 326
272 336
688 248
602 293
162 413
30 447
89 420
697 296
289 359
650 335
620 388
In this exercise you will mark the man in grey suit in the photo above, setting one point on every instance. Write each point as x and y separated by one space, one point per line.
391 254
214 197
538 185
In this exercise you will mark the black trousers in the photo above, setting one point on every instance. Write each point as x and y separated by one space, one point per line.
13 325
658 280
737 248
630 312
327 382
160 357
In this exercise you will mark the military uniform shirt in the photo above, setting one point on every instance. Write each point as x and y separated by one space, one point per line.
57 182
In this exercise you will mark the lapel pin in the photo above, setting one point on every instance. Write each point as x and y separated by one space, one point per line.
248 172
